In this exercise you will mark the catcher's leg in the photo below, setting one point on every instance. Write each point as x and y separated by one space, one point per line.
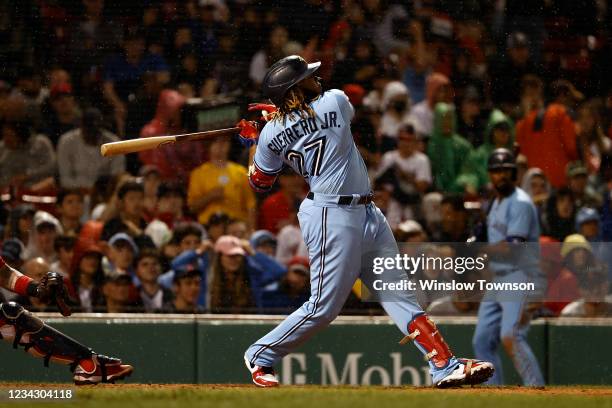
22 328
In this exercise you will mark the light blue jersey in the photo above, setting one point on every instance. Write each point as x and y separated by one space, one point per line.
515 217
342 239
501 321
320 148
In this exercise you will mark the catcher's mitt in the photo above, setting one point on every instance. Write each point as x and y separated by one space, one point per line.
51 289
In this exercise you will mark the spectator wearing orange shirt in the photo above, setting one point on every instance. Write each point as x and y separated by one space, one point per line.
547 136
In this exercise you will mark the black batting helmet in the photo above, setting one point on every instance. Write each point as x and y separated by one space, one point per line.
284 74
502 159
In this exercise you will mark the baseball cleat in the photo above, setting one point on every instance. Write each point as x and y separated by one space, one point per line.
262 376
99 369
468 372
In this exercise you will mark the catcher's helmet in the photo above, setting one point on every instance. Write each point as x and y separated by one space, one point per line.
284 74
502 159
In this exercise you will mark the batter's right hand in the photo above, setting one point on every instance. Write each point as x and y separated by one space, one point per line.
265 108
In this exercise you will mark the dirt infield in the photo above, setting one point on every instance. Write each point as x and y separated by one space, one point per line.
513 390
309 396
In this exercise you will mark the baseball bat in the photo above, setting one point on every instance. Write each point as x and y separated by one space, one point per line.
146 143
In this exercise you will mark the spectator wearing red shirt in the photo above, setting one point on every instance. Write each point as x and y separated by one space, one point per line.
278 209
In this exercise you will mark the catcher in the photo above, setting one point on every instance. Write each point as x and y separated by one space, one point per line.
22 328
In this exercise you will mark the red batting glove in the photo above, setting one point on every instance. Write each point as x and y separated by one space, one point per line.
249 132
266 109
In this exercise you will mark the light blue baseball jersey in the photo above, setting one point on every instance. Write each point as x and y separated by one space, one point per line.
515 216
512 217
320 148
342 239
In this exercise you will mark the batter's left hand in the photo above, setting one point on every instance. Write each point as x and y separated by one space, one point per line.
249 132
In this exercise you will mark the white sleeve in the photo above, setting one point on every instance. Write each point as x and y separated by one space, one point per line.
423 171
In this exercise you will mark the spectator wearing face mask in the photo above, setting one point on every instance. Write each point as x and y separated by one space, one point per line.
396 105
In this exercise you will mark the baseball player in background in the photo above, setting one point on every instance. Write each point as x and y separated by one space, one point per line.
512 220
22 328
309 130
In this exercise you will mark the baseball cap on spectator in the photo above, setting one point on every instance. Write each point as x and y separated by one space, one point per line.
517 40
262 237
392 90
60 89
299 264
408 127
44 219
229 245
159 232
572 242
585 215
576 168
355 93
121 238
12 249
185 271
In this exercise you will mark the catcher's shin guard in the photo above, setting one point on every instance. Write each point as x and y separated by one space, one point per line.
22 328
427 338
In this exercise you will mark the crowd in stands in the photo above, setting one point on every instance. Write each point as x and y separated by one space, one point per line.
437 85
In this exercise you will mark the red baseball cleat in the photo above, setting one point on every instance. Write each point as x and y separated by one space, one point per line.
262 376
468 372
99 369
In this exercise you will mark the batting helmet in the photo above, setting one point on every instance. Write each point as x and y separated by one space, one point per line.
284 74
502 159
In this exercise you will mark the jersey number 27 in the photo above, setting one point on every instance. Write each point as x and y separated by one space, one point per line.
317 147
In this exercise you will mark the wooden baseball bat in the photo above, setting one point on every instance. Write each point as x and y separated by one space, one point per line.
146 143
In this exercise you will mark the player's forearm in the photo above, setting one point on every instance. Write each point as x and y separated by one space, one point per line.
252 151
15 281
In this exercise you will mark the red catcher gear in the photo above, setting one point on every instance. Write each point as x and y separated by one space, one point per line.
423 331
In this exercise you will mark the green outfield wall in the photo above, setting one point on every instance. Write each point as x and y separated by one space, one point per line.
353 350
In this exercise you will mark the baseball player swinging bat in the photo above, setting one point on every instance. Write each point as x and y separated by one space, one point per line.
146 143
